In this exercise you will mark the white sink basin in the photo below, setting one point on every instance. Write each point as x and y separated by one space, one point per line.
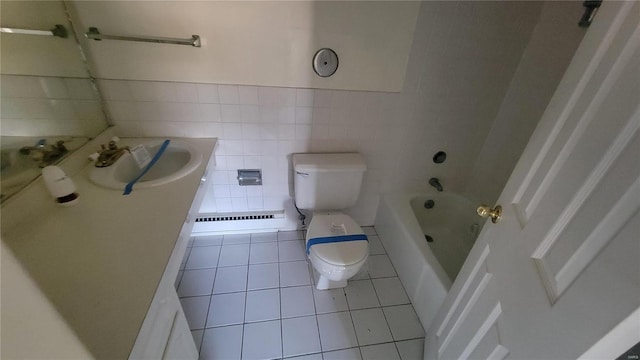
178 160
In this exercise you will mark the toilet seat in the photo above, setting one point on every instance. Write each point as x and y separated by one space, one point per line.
338 225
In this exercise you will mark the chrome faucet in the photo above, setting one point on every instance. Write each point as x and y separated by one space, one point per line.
110 154
436 184
45 154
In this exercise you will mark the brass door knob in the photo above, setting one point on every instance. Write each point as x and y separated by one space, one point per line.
486 211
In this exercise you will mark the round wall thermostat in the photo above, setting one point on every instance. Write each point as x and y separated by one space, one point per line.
325 62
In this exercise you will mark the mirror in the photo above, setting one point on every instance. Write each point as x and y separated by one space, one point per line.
49 105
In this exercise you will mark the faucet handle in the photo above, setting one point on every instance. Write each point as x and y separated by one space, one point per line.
435 182
113 144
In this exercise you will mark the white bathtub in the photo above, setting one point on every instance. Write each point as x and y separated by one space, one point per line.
427 270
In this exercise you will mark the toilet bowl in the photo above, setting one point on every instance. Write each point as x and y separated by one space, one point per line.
325 184
337 248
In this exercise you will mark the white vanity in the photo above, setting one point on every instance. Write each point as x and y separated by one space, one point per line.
108 264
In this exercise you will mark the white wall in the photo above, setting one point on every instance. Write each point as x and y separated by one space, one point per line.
543 63
268 43
461 64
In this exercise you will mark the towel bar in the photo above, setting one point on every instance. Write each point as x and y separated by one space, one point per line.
95 34
58 30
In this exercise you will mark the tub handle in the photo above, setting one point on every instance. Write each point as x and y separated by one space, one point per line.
486 211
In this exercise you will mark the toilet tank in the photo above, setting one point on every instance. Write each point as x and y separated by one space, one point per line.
327 181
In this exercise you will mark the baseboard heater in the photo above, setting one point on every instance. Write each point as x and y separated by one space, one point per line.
262 215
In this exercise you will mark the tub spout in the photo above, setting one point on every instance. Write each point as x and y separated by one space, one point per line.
436 184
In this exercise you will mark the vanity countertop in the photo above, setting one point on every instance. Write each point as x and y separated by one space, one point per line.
99 262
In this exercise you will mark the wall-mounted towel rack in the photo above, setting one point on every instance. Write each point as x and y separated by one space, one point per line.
95 34
58 30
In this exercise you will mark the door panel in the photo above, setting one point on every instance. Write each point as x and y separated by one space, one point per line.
473 317
586 229
575 111
560 269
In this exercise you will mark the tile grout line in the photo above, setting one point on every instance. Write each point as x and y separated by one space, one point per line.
281 331
211 295
280 294
352 322
179 281
351 315
189 249
315 311
394 342
385 317
244 312
405 291
280 287
381 309
313 298
199 348
186 260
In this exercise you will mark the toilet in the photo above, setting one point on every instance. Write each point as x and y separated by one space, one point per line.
325 184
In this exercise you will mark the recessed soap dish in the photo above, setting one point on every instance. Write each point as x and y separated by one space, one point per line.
249 177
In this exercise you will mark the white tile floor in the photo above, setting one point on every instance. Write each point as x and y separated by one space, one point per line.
251 296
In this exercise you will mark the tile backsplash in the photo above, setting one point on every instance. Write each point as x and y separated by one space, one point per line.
259 128
456 80
50 106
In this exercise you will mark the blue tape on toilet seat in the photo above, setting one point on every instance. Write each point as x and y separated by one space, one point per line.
334 239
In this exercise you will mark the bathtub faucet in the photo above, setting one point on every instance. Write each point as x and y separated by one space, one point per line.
436 184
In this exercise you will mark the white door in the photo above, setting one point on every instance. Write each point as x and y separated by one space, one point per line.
561 269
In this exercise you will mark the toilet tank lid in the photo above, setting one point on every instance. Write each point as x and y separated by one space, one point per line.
328 162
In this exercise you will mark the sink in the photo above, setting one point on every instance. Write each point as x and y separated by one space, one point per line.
177 161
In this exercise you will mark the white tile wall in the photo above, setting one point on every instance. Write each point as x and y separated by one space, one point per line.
48 106
462 61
